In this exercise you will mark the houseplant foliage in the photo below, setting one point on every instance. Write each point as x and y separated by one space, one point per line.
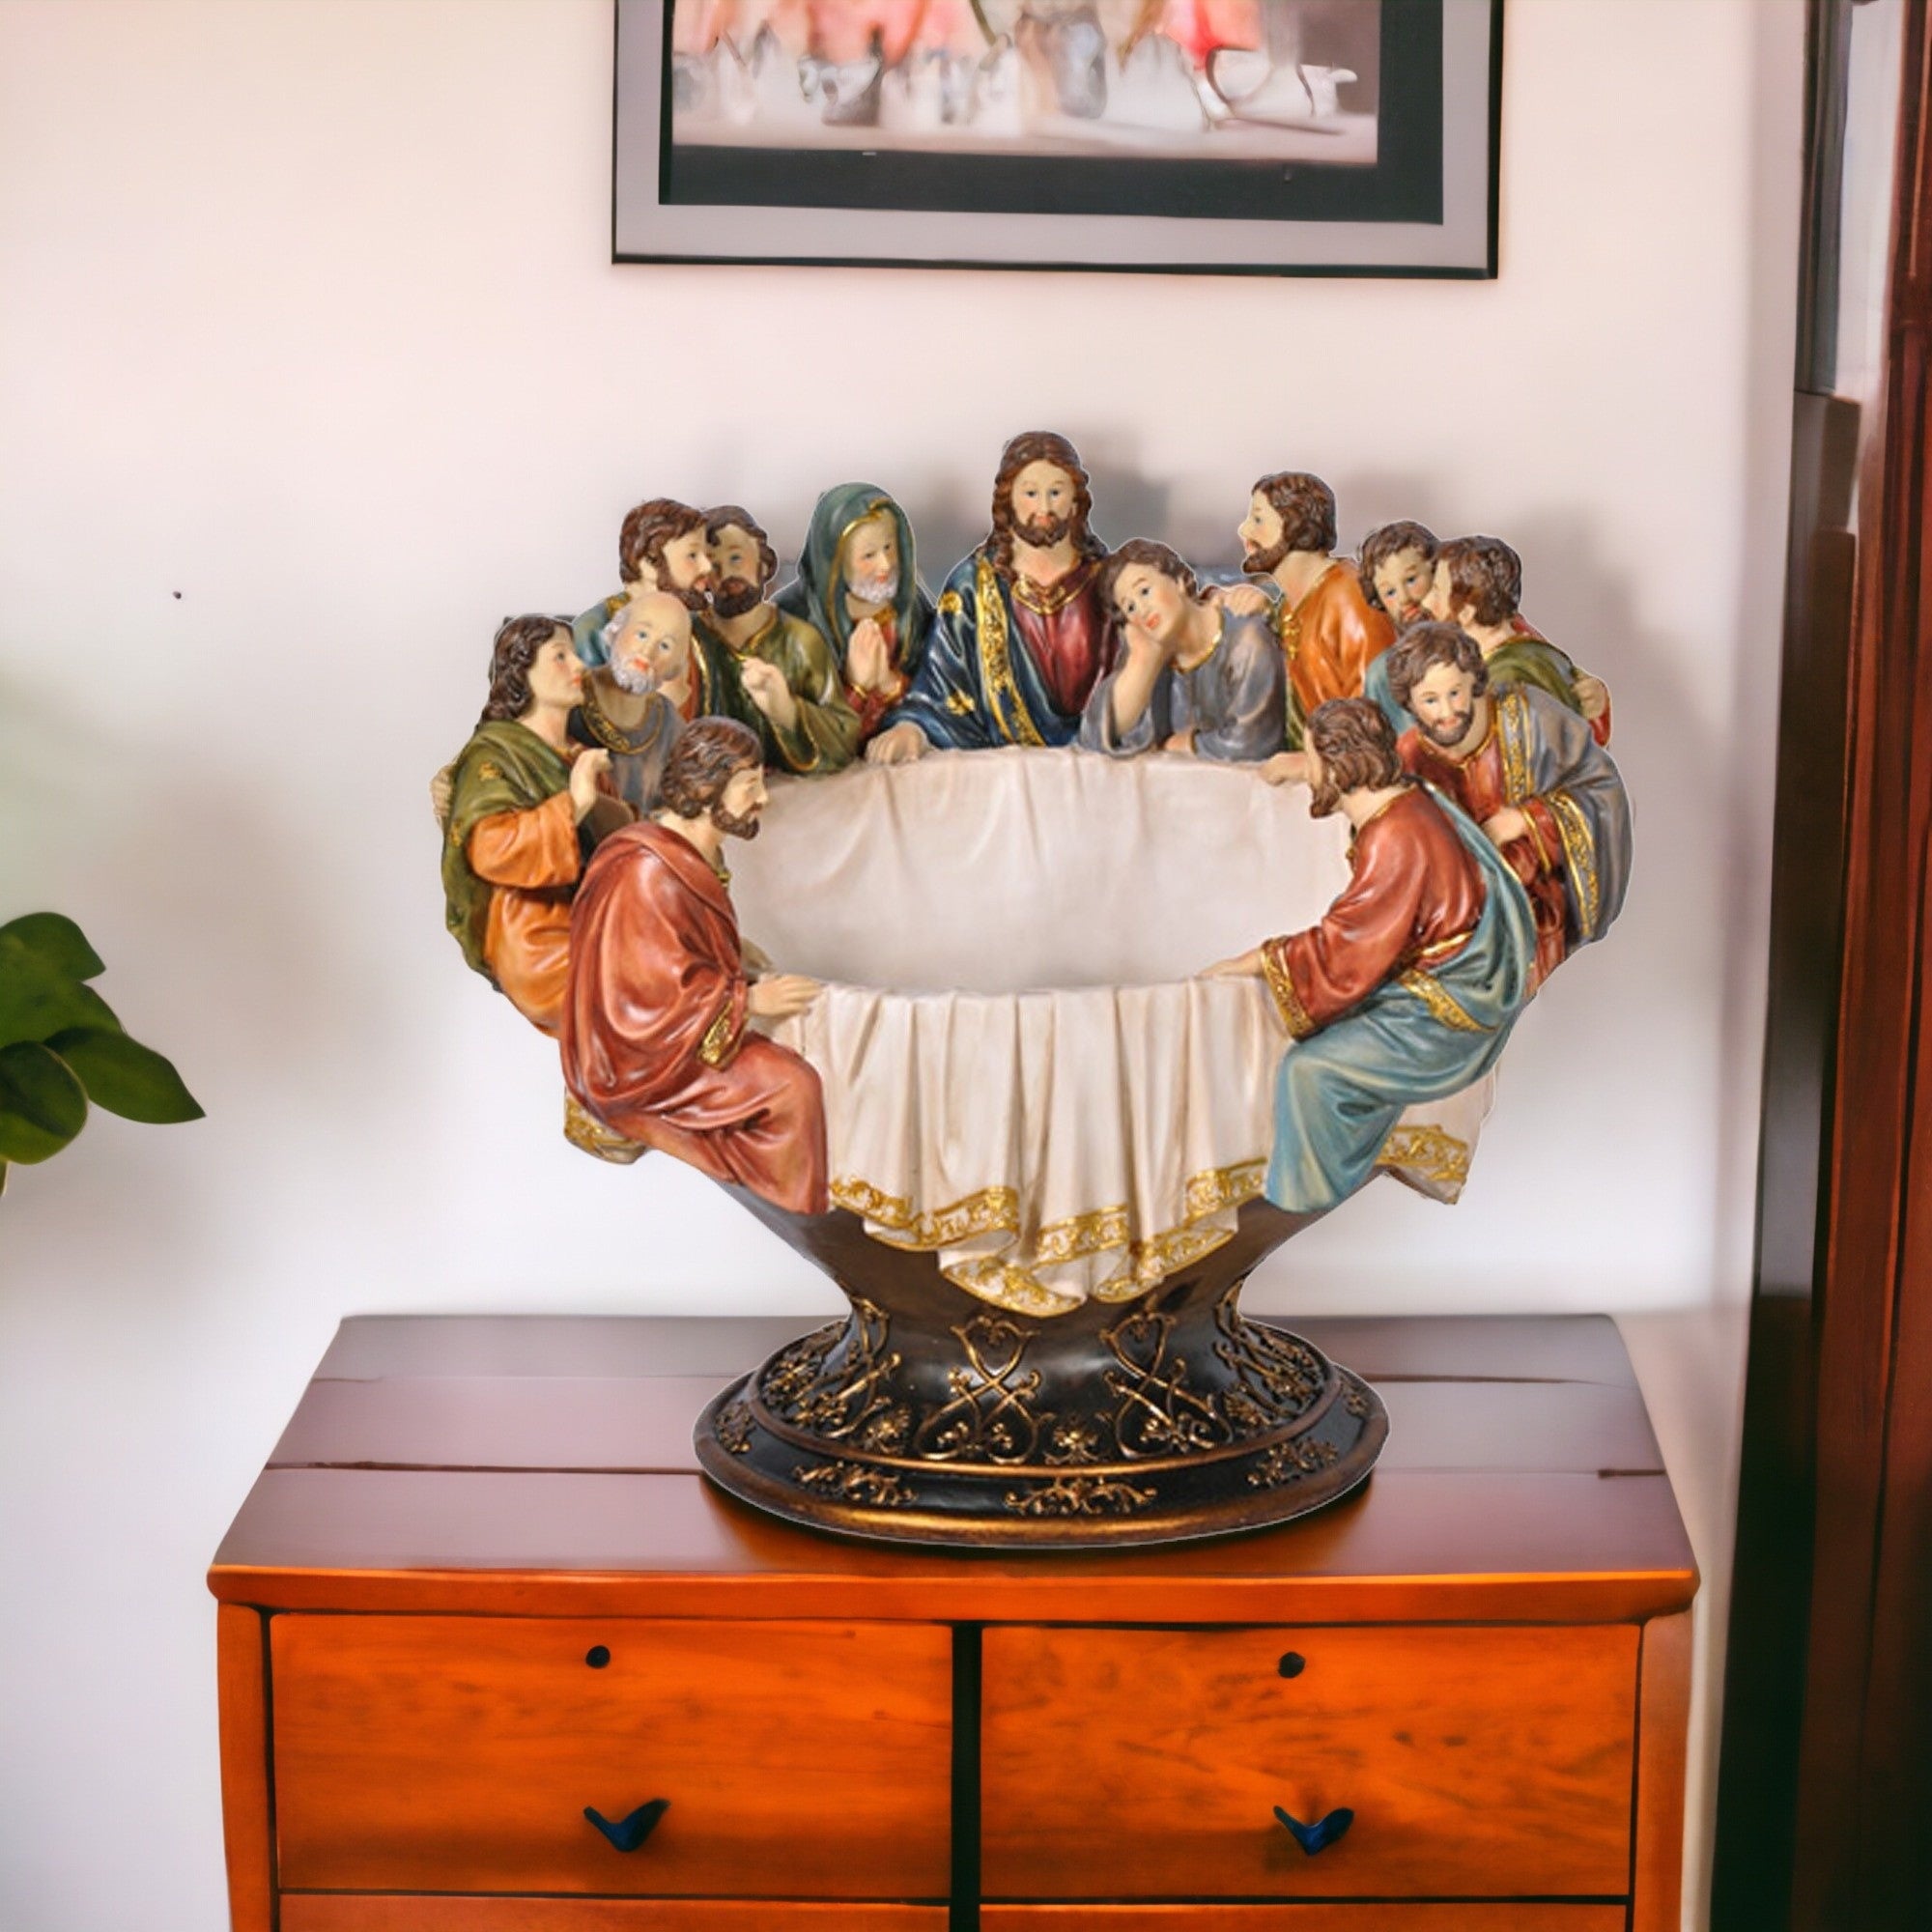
62 1049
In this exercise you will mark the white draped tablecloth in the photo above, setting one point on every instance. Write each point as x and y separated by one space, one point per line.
1021 1073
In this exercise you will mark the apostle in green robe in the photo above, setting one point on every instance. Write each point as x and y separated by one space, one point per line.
858 586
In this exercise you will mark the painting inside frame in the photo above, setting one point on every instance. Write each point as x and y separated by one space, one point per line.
1324 136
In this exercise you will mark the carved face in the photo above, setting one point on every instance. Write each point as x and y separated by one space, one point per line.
872 561
1444 703
737 571
555 674
652 643
1044 499
1437 604
740 803
1261 535
686 565
1151 603
1404 582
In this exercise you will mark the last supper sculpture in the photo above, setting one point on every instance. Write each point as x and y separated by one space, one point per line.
840 893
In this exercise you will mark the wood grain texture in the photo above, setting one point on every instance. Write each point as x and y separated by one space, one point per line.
242 1683
1408 1545
1487 1917
1136 1764
1663 1720
454 1754
416 1911
644 1425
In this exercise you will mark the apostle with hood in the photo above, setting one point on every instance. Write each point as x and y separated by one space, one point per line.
516 831
858 586
1022 633
792 694
1407 987
1193 676
657 1039
1529 770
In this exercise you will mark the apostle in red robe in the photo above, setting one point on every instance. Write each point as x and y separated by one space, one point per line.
656 1038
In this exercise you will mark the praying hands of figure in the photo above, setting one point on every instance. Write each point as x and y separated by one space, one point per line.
766 688
587 777
868 658
781 996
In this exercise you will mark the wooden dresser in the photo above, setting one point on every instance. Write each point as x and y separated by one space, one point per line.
481 1591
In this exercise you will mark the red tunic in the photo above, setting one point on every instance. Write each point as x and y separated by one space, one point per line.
654 1038
1065 627
1412 900
1477 782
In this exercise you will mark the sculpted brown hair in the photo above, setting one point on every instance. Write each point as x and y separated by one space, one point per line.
1305 505
703 762
1038 445
649 529
716 522
1483 571
1422 647
1356 745
1390 541
518 639
1149 555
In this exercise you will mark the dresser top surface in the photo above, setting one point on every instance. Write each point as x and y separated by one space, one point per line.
519 1463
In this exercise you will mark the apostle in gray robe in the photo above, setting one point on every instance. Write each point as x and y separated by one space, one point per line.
1192 676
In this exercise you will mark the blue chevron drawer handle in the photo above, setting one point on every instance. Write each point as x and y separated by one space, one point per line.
1320 1835
628 1833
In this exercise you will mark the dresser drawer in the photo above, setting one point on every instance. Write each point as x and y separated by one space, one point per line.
1378 1918
1479 1762
413 1912
460 1753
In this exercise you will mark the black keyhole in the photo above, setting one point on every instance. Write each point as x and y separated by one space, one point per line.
1293 1664
597 1657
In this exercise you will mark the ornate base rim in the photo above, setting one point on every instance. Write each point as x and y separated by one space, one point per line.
1270 1479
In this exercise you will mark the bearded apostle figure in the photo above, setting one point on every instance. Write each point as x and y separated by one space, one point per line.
516 830
794 697
1529 771
1408 988
656 1035
661 546
858 586
634 706
1022 635
1193 676
1330 632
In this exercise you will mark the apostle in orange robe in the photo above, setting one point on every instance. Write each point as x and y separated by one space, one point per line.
656 1035
1330 632
521 800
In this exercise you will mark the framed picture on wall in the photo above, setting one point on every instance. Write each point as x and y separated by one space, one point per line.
1288 137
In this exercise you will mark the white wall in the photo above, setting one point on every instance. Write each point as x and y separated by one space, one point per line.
312 366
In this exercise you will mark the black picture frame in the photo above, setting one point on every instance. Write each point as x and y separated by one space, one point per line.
1427 206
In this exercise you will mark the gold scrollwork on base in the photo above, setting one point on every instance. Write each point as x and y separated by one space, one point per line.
1159 1414
733 1427
842 1395
854 1483
1278 1376
1289 1461
992 1414
1079 1496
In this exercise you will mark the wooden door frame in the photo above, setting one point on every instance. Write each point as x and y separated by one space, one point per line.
1826 1778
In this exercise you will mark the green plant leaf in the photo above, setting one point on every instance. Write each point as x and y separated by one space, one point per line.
42 1106
38 998
58 941
126 1077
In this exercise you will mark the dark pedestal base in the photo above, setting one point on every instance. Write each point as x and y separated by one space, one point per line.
929 1416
